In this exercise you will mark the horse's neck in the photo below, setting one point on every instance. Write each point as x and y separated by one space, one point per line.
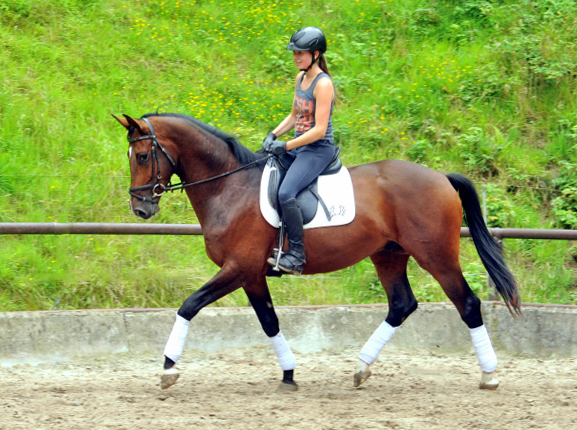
203 156
206 157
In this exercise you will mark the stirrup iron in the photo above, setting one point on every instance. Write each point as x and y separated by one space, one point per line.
278 250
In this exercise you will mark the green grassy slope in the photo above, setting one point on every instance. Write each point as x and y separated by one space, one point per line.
483 88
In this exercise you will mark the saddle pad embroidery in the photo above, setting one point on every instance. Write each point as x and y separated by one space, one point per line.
336 191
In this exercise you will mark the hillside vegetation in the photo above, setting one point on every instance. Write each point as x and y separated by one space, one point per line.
483 88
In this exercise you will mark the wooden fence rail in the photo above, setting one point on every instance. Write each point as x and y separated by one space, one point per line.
194 229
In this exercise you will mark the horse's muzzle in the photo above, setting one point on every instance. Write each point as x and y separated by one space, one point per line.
144 209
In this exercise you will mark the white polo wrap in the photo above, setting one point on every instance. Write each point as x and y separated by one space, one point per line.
283 352
377 342
485 353
175 344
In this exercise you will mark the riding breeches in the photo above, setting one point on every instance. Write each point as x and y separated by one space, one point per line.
306 164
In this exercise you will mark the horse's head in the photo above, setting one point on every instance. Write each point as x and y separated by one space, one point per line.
151 166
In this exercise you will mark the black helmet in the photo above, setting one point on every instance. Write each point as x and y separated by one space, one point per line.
308 39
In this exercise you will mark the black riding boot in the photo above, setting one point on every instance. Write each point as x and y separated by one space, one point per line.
293 260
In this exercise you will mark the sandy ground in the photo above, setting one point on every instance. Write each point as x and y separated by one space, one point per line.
237 389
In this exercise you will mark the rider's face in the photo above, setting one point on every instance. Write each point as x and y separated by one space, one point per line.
302 59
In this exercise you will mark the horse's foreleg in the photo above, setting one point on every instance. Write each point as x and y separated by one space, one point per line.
261 302
391 268
223 283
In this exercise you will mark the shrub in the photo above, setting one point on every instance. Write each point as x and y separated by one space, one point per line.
564 206
478 152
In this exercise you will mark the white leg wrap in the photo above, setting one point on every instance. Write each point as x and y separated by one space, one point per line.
485 353
175 344
283 352
377 342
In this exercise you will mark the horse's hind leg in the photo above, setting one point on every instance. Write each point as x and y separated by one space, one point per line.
392 270
261 301
448 273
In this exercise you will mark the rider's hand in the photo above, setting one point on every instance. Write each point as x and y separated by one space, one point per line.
268 141
278 147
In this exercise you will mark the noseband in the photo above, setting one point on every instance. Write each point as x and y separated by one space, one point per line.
156 186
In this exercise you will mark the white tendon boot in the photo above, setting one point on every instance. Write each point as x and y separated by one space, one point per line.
173 350
283 352
371 351
286 359
486 356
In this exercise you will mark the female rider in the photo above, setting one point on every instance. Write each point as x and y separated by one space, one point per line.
312 148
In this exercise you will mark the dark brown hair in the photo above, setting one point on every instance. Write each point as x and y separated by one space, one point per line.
323 65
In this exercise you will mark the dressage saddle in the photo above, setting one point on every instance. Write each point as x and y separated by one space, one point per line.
309 198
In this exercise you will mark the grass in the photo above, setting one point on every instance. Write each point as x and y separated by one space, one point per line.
484 89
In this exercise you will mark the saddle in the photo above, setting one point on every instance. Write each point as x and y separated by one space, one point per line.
309 198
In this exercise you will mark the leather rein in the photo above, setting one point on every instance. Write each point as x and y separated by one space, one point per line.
158 188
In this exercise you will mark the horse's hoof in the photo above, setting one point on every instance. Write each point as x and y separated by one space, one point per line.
488 382
361 377
169 378
363 373
288 386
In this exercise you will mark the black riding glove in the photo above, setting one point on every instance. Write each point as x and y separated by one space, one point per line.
268 141
278 147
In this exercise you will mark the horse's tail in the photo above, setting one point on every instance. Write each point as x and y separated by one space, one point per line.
487 247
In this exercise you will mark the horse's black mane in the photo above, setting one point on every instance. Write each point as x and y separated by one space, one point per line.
241 153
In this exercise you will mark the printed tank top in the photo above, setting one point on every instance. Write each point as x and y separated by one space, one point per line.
306 104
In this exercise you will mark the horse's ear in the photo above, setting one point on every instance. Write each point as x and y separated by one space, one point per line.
122 121
132 123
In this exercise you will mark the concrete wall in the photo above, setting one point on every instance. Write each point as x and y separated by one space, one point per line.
32 337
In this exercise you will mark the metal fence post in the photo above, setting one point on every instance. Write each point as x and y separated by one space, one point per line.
493 293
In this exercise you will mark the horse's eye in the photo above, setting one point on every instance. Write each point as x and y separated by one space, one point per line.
142 158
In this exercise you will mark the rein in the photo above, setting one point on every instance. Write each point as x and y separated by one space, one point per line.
170 187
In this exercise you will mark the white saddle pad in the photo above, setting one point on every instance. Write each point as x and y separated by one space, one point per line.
336 191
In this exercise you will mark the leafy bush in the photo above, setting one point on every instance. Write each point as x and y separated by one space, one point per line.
500 210
564 206
418 151
460 21
486 83
540 45
478 152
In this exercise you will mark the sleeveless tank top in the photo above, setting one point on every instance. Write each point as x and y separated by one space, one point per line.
306 107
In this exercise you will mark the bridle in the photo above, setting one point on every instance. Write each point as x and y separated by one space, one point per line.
156 186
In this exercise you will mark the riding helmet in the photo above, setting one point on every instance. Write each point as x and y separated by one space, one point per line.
308 39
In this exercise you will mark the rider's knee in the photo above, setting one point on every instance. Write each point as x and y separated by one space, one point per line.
284 195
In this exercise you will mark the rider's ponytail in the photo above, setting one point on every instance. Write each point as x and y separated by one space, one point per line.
323 65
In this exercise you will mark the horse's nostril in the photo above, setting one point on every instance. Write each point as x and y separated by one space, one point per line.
142 214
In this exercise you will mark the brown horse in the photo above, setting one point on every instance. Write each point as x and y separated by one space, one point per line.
402 210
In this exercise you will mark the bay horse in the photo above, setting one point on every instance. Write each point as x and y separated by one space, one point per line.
403 210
